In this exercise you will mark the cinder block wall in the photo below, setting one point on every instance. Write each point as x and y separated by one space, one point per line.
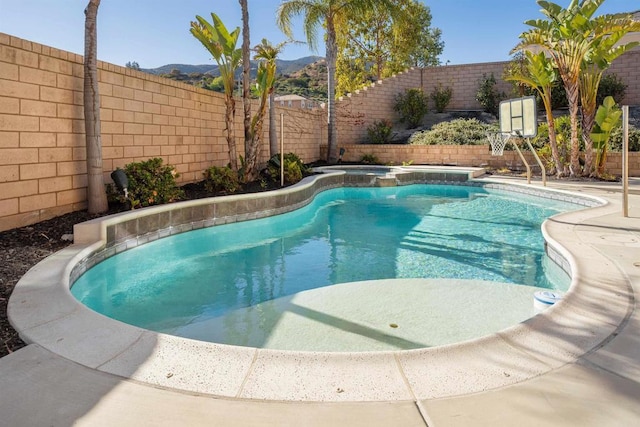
627 67
464 155
42 141
359 110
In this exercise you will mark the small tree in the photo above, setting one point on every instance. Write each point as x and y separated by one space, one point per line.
222 46
488 96
412 106
441 97
266 77
133 65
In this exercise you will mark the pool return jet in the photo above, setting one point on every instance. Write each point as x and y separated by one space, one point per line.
518 118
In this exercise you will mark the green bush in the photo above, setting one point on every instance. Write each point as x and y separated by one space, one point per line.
611 85
558 96
454 132
412 106
221 179
615 141
441 97
293 168
379 131
563 132
563 139
152 183
488 96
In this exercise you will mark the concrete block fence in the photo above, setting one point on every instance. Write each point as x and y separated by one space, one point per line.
359 110
463 155
42 141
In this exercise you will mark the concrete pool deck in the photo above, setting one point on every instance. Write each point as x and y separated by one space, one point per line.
577 364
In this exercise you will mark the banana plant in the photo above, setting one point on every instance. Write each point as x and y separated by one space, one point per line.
606 120
221 44
540 75
266 53
608 31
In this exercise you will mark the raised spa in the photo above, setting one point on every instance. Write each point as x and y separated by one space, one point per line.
357 269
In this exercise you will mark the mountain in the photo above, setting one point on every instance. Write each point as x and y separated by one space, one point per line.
284 67
304 76
309 81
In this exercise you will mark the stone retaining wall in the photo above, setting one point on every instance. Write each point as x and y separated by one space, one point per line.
464 155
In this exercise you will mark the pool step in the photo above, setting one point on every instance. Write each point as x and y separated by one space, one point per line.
386 181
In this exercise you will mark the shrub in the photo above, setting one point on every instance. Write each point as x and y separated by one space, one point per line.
441 97
370 159
294 168
152 183
454 132
221 179
615 141
611 85
563 139
412 106
380 131
558 96
488 96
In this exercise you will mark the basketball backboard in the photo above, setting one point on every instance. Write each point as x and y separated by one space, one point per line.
519 117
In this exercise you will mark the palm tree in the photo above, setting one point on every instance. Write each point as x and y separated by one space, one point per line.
222 46
324 14
539 74
96 195
607 32
565 38
246 83
570 37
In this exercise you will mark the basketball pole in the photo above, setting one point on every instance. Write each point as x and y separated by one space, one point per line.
524 161
544 172
625 161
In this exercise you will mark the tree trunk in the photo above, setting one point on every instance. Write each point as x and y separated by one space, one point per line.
572 98
96 194
588 121
229 113
332 53
258 126
553 142
249 144
274 147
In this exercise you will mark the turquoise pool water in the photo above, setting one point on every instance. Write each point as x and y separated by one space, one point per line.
236 283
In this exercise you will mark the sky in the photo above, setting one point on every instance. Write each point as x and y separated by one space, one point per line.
156 32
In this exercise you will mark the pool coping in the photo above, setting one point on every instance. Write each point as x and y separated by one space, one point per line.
43 311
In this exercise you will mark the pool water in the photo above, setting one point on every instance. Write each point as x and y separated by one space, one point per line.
279 282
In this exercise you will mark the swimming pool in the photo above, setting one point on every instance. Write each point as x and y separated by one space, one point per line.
279 282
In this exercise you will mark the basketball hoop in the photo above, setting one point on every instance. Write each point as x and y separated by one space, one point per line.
498 140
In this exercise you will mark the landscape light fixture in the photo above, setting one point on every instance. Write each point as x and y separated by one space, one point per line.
119 178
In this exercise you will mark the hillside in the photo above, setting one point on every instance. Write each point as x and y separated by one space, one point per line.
310 82
284 67
304 76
